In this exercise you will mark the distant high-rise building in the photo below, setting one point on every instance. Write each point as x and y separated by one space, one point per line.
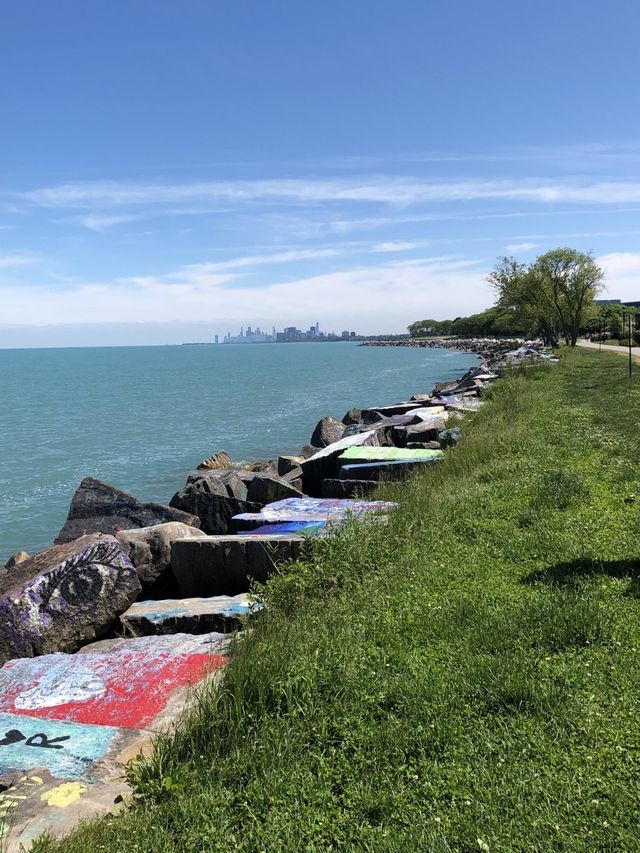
216 339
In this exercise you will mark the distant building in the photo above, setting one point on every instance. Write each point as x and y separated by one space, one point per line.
609 302
291 334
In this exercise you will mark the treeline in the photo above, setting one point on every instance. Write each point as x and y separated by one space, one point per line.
551 298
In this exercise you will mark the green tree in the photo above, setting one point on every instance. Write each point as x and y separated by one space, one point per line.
551 297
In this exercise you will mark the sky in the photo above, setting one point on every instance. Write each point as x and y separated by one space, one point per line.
170 171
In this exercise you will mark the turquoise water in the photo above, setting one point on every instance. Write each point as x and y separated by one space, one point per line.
141 417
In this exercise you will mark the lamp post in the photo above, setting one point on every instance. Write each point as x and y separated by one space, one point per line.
629 340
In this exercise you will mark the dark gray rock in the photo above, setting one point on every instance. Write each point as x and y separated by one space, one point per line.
348 488
214 512
308 451
426 430
371 416
327 431
264 489
449 437
324 464
65 596
286 464
15 559
423 445
226 565
353 416
226 482
97 507
149 549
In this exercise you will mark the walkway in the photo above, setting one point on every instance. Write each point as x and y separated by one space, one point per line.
635 351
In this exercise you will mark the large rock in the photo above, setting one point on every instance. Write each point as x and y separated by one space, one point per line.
327 431
226 482
348 488
214 512
426 430
264 489
15 559
221 459
286 464
149 549
194 615
352 417
226 565
323 465
64 596
97 507
308 451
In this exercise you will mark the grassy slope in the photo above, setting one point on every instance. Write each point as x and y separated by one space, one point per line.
465 678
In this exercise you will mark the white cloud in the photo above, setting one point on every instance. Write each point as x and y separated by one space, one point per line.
622 274
102 223
397 246
376 189
370 298
520 247
18 260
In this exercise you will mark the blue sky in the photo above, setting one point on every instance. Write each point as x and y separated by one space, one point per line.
171 171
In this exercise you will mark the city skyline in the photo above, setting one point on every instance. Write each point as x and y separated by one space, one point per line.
290 334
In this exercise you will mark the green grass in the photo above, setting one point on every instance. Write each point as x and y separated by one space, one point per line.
464 678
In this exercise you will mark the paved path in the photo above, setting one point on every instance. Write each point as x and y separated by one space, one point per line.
635 351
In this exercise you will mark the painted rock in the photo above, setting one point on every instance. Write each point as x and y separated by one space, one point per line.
64 596
196 615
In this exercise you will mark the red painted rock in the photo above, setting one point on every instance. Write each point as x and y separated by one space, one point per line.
64 596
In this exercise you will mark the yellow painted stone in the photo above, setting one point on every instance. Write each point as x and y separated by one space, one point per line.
63 795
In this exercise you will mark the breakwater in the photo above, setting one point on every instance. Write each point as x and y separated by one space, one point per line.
489 349
104 633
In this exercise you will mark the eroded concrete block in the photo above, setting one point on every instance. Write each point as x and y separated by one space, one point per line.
324 464
197 615
225 565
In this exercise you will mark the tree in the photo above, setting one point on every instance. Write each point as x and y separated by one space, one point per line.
552 297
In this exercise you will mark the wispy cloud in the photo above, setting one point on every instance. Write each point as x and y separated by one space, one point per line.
398 246
377 189
18 260
520 247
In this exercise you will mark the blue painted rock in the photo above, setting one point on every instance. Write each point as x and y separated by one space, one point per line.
64 596
195 615
97 507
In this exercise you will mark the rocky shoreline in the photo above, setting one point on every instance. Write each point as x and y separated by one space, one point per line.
102 634
490 350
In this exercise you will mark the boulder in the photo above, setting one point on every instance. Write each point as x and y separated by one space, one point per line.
149 549
449 437
97 507
288 463
65 596
371 416
264 489
226 482
327 431
15 559
353 416
421 398
213 512
348 488
262 466
221 459
425 430
308 451
323 465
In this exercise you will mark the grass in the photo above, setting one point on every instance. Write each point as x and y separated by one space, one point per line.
464 678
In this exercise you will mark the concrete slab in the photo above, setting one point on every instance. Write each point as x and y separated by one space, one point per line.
318 509
348 488
385 470
40 801
387 454
219 613
226 565
207 644
324 464
123 689
394 409
300 528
